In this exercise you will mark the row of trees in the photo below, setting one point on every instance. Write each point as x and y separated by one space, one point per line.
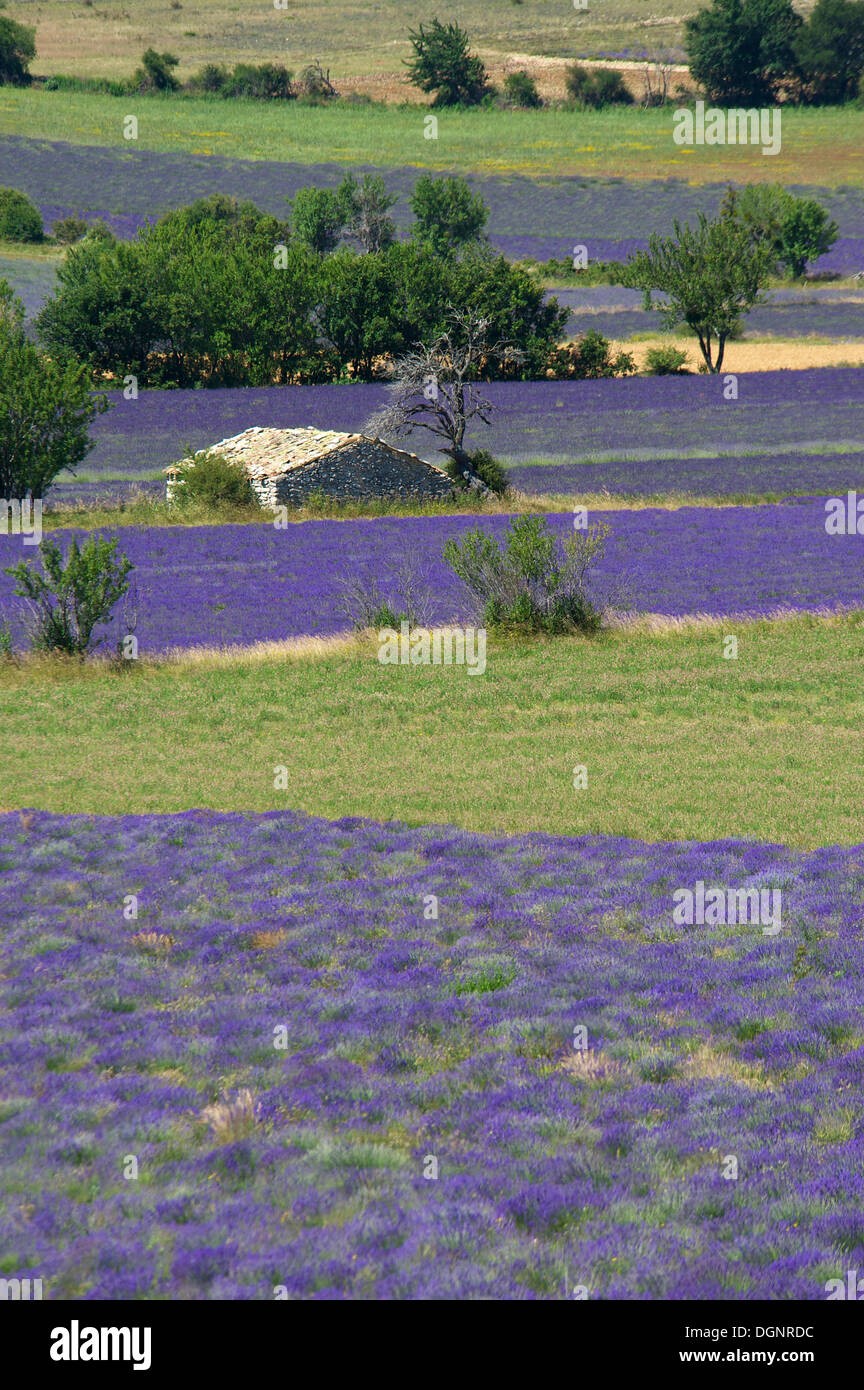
759 52
219 293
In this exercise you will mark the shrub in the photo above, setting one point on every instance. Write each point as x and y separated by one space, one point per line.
520 89
443 64
482 465
596 88
211 78
315 84
69 600
67 230
157 74
266 81
20 220
100 231
533 582
214 480
590 358
665 361
17 50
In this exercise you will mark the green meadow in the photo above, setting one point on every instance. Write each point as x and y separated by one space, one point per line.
821 145
678 742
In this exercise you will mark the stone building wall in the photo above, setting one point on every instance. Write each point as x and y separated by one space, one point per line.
356 471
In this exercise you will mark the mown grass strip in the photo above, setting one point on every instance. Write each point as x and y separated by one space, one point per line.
679 743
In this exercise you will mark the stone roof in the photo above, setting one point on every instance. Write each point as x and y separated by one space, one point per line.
268 452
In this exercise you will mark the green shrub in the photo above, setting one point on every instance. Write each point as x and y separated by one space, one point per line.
520 89
69 600
265 81
590 358
483 466
211 78
20 220
100 231
67 230
534 582
213 479
596 88
665 361
156 74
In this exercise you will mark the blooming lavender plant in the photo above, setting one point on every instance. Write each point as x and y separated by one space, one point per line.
329 1086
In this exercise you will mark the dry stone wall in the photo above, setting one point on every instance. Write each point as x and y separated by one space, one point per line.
356 471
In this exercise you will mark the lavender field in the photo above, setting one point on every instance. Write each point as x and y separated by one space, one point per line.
784 475
144 183
646 419
240 584
817 312
328 1095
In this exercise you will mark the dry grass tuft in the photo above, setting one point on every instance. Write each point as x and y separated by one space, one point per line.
590 1064
269 940
231 1119
155 941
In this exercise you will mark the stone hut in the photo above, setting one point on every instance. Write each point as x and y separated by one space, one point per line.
285 466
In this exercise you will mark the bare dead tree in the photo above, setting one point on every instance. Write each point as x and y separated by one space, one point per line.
657 77
434 387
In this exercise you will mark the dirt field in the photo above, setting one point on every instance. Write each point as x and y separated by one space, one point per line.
363 42
764 355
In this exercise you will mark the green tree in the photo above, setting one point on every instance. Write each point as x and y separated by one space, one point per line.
102 312
442 63
20 220
798 230
830 51
274 314
70 600
318 218
17 51
712 274
516 309
356 312
46 409
448 214
742 51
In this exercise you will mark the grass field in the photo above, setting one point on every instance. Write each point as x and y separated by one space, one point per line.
354 37
823 145
678 742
